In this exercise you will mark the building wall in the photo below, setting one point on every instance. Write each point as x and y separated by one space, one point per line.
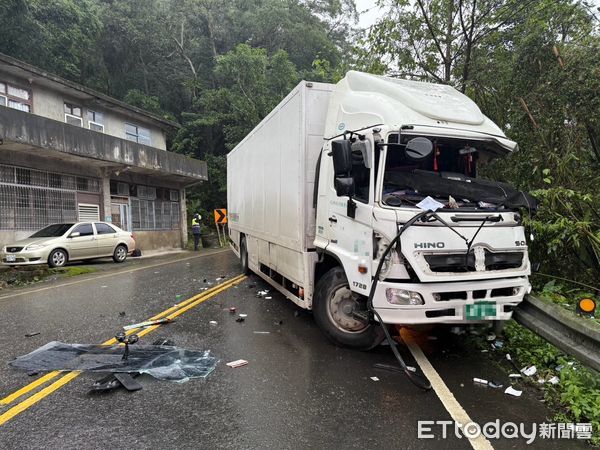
50 104
147 240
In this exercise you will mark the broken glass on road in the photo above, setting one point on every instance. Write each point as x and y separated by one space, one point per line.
161 362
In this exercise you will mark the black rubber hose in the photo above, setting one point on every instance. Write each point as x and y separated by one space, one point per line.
417 380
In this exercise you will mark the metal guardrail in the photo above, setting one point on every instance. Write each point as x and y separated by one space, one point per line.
574 336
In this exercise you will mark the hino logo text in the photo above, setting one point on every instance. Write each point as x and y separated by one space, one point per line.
429 245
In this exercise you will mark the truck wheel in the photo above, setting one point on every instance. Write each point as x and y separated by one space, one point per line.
333 305
244 256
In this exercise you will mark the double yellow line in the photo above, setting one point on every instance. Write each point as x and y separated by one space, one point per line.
170 313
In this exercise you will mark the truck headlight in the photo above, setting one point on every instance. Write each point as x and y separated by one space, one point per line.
403 297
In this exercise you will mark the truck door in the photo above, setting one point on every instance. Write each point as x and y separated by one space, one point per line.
349 238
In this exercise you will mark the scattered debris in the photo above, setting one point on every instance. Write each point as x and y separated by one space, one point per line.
122 314
491 337
205 280
490 383
213 322
33 373
411 368
219 279
278 322
554 380
541 381
262 293
515 375
268 298
262 332
148 323
509 359
498 344
243 316
512 391
161 362
103 286
237 363
240 319
529 371
232 309
32 334
485 351
374 378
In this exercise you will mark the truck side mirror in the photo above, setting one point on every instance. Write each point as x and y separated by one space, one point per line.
342 158
344 186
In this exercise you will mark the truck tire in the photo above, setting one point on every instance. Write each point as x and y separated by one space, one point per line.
333 304
244 256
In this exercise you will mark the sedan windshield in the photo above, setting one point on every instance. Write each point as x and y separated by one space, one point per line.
56 230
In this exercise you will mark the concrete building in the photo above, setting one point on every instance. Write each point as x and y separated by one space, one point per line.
68 153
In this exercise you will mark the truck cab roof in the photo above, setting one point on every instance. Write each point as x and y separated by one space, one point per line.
362 99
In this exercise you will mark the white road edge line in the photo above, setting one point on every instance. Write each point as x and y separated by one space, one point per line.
111 274
456 411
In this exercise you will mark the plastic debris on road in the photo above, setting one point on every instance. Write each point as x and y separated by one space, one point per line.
554 380
262 332
161 362
515 375
490 383
213 322
374 378
512 391
262 293
237 363
529 371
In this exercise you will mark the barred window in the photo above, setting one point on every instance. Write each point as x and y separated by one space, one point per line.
32 177
154 214
32 199
32 208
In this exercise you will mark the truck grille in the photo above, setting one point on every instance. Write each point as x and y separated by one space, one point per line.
459 262
13 249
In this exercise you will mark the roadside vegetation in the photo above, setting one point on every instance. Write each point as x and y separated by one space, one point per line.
23 276
576 397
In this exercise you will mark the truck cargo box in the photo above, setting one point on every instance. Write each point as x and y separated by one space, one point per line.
271 173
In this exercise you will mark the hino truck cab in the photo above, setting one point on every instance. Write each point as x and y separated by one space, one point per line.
361 201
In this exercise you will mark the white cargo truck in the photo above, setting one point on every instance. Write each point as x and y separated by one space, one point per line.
372 173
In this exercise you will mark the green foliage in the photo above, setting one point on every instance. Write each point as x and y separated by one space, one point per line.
578 392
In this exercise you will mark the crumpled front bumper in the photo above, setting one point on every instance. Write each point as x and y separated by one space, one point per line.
448 302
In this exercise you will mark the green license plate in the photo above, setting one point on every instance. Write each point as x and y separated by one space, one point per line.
480 311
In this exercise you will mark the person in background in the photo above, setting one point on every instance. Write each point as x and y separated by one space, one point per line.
196 230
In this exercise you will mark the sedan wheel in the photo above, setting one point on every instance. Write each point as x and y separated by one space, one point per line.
57 258
120 254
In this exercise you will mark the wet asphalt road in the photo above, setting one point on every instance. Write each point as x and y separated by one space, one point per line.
298 390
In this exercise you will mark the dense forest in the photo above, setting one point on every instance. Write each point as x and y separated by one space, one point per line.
219 66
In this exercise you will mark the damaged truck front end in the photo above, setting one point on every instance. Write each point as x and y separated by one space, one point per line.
468 260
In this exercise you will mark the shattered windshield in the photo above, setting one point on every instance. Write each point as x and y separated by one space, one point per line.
448 175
